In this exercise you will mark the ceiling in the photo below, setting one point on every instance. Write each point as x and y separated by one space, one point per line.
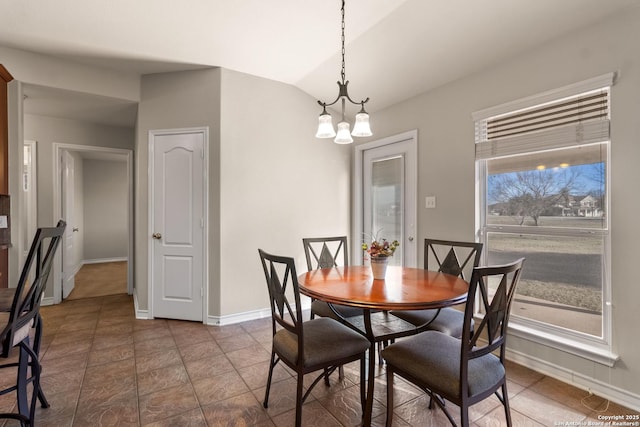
395 49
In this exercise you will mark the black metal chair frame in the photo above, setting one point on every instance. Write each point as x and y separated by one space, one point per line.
280 273
488 337
24 315
328 259
384 326
450 264
325 259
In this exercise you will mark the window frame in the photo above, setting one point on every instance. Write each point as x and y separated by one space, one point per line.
598 349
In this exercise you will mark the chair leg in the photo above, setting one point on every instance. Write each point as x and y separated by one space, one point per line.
464 415
505 403
37 390
363 386
36 349
389 396
272 364
299 400
21 392
27 359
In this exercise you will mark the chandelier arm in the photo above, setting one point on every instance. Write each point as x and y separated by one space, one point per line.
343 93
325 127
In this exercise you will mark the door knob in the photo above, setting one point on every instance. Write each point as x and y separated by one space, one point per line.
157 236
411 238
74 229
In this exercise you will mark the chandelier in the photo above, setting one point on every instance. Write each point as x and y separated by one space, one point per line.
325 123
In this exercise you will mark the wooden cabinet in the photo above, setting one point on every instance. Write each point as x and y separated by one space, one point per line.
5 78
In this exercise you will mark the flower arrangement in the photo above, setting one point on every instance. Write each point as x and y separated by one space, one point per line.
380 248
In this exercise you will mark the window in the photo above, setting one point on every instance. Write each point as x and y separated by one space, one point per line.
543 165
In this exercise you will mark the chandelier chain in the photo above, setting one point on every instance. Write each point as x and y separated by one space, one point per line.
342 74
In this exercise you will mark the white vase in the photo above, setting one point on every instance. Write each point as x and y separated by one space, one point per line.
379 267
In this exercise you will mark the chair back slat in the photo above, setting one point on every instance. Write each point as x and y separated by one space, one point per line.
282 282
452 257
495 287
325 252
28 293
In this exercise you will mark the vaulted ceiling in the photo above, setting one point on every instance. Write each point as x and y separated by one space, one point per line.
395 49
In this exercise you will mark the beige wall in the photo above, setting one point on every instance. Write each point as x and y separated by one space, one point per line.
278 184
105 212
446 164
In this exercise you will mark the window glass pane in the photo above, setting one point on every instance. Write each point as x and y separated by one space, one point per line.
386 198
561 282
558 188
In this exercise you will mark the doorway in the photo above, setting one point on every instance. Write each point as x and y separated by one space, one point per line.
386 176
86 224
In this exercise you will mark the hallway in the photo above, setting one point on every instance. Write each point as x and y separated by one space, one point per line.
100 279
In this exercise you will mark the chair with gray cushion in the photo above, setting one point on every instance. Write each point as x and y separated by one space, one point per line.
21 322
321 344
463 370
328 252
456 258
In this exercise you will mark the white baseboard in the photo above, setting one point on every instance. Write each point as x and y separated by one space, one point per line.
140 314
246 316
102 260
47 301
238 317
604 390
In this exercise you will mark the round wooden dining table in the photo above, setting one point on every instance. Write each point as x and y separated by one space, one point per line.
403 288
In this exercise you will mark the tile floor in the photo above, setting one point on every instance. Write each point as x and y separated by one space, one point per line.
103 367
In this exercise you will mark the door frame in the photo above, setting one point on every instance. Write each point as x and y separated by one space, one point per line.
29 206
204 130
58 148
411 176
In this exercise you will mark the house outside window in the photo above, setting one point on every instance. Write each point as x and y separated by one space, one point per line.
542 172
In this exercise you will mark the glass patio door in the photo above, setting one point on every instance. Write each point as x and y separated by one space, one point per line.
388 196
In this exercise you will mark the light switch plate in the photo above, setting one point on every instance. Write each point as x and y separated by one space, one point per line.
430 202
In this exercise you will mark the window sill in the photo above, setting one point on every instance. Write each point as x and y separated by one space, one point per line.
580 348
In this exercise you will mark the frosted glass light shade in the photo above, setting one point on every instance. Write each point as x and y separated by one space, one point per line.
361 127
344 136
325 126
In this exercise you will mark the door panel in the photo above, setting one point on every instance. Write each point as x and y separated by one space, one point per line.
68 203
178 225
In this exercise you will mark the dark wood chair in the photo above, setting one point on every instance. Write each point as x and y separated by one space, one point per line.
327 252
320 344
464 371
23 318
456 258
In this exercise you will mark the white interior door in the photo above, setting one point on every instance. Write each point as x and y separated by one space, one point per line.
68 192
387 194
178 232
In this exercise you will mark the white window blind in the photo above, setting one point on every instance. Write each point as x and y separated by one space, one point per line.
575 119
